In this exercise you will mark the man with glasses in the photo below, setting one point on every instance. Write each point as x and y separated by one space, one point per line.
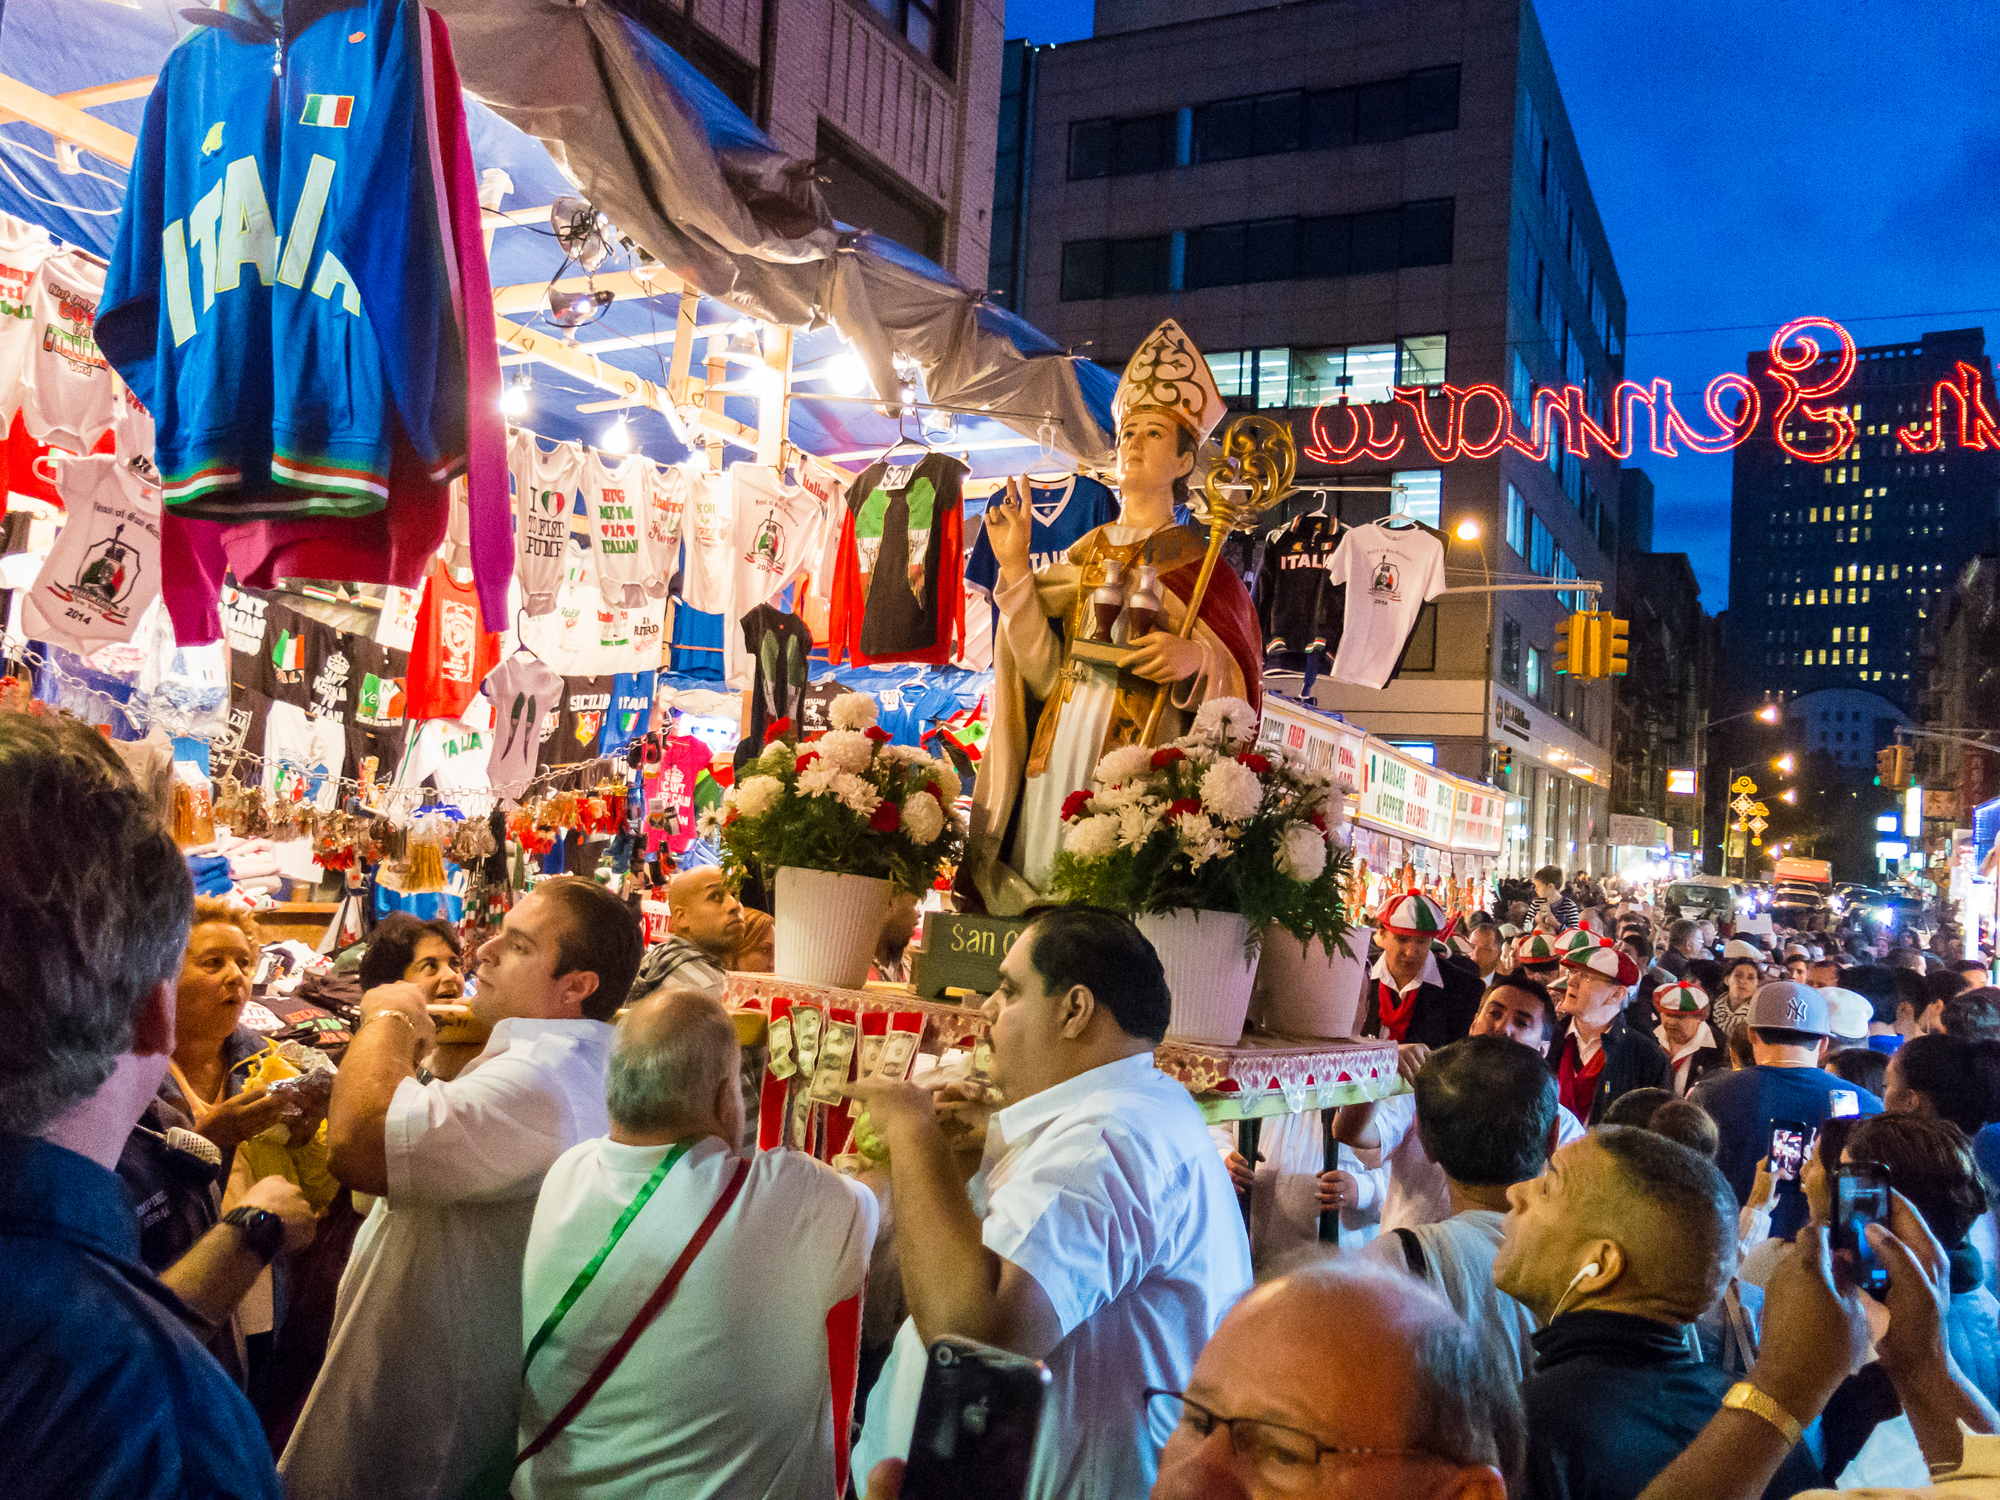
1345 1379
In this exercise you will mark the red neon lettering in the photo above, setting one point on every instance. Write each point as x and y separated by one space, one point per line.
1786 371
1976 425
1617 441
1362 442
1794 351
1444 449
1502 425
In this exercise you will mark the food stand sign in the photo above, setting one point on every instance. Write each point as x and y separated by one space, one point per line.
1325 744
1477 826
1407 797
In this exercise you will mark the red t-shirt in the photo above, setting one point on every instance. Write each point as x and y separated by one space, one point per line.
451 655
1576 1086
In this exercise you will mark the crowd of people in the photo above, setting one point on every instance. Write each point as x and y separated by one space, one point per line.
1604 1246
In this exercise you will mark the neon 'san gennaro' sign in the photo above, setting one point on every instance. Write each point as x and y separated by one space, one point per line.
1478 420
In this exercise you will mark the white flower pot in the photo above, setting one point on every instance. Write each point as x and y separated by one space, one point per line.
1309 991
1207 974
827 925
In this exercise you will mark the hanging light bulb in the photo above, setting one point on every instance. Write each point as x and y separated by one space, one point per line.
514 400
848 374
617 437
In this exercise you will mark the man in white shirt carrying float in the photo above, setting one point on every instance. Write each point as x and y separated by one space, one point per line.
1100 1234
419 1395
726 1392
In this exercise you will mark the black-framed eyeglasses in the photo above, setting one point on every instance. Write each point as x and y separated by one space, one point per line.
1284 1457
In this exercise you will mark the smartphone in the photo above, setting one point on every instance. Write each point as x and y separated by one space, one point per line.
1860 1198
1842 1103
976 1423
1788 1149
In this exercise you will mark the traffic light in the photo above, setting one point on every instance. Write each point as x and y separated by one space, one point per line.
1892 766
1611 640
1576 654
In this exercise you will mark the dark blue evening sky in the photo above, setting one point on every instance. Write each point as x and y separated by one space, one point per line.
1756 161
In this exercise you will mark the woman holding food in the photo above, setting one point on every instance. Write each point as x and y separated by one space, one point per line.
261 1113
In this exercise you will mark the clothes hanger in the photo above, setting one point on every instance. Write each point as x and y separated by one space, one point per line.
1045 436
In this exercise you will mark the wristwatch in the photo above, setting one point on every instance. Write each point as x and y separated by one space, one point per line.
263 1231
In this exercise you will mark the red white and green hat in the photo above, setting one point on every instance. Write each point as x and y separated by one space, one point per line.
1680 996
1576 940
1413 914
1538 948
1607 960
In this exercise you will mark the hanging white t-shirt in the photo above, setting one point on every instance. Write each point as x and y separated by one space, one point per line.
104 568
776 531
521 689
303 751
23 248
67 400
616 498
666 502
131 428
705 528
544 484
1389 575
451 752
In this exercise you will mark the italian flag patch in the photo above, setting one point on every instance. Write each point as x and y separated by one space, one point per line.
327 109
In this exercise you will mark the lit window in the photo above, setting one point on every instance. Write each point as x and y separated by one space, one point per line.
1864 632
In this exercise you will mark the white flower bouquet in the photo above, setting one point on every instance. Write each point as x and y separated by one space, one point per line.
846 801
1208 823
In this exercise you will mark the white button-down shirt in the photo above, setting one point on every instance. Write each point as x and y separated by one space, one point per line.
1680 1056
727 1393
1107 1190
422 1380
1416 1192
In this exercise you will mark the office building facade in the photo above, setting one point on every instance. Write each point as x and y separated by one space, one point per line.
1335 198
894 101
1836 568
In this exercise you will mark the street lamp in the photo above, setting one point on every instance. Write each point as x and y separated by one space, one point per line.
1789 796
1785 764
1467 530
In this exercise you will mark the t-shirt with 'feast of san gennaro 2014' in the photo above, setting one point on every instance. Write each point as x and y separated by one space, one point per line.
1389 574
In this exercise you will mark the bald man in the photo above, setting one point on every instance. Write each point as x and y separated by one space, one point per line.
1360 1382
707 930
749 1315
1626 1240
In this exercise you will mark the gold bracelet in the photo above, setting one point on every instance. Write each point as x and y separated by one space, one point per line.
1743 1396
394 1015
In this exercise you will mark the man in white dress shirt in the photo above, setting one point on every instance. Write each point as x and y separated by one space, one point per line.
1100 1233
419 1395
727 1391
1384 1134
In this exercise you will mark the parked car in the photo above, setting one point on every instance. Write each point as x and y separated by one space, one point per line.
1798 903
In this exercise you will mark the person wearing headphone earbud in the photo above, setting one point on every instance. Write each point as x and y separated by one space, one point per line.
1623 1243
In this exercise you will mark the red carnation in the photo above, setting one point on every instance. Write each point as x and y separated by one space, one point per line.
1167 755
943 801
778 730
878 734
887 816
1318 820
1072 808
1184 805
805 759
1254 761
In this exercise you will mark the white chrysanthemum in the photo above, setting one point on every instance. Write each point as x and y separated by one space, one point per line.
846 749
855 793
816 780
1302 852
1092 838
1124 763
1113 798
1229 721
1137 822
905 755
923 819
755 795
1200 839
778 754
946 776
1231 791
852 711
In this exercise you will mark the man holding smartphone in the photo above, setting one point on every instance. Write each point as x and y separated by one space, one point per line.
1789 1028
1101 1233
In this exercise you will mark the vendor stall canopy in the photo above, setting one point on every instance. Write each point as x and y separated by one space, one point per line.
695 196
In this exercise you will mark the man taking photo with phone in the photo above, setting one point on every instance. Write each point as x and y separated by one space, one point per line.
1789 1027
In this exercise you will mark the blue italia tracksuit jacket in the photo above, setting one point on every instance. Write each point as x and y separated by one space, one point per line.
280 295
